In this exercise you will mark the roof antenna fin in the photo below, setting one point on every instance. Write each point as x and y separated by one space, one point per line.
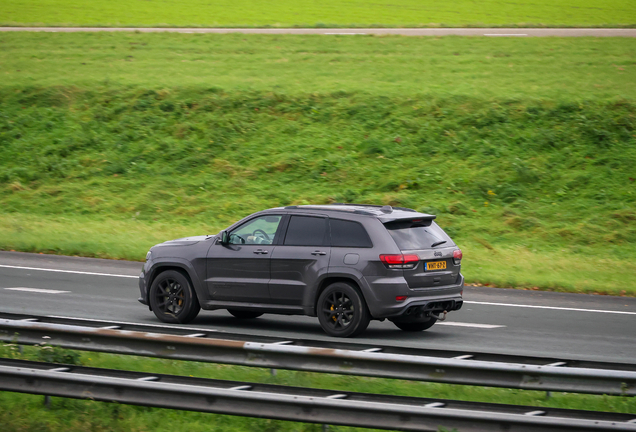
386 209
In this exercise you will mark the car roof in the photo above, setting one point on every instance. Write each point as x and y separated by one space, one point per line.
384 213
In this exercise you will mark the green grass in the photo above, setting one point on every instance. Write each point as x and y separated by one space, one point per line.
523 148
27 413
560 69
327 13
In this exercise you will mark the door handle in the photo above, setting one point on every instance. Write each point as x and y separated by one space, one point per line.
260 251
319 253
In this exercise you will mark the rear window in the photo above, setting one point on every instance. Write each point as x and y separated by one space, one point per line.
413 236
348 234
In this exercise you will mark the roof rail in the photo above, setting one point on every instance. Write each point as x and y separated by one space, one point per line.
330 208
376 206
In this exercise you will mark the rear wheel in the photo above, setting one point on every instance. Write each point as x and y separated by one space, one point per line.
342 311
173 299
244 314
415 326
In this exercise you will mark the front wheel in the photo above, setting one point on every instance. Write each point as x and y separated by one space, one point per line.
173 299
241 314
342 311
415 326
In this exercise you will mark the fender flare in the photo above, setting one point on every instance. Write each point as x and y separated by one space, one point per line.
311 297
179 263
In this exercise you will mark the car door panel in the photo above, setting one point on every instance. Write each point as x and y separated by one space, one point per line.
240 271
237 273
300 260
295 269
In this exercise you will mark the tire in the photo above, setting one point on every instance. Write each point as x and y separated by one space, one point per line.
415 326
242 314
342 311
173 299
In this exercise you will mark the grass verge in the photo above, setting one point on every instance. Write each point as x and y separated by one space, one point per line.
329 13
525 267
26 412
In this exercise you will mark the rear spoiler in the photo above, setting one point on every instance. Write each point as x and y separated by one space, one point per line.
420 219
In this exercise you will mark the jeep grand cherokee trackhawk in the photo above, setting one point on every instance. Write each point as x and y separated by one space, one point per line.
344 263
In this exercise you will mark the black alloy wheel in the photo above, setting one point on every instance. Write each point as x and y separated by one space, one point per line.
242 314
342 311
172 298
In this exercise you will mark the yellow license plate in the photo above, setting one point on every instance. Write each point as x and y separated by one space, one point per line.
436 265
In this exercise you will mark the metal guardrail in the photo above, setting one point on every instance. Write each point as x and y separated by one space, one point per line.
296 403
280 355
334 343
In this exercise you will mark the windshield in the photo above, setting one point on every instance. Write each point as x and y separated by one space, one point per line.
411 236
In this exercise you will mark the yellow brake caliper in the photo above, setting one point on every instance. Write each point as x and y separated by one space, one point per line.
333 317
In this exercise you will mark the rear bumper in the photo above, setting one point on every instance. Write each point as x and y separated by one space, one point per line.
419 301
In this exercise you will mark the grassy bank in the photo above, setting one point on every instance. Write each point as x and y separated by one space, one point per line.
328 13
108 172
27 413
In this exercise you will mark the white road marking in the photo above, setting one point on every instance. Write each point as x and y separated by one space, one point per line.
37 290
68 271
344 33
551 307
463 324
505 34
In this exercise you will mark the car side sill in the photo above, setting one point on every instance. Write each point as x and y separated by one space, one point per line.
257 307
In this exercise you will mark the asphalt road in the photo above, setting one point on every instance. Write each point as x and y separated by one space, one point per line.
566 326
494 32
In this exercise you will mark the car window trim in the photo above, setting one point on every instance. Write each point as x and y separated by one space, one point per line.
326 238
276 235
350 247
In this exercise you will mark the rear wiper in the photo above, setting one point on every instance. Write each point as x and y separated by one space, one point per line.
438 243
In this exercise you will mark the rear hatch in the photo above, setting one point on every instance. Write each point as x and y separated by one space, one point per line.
424 238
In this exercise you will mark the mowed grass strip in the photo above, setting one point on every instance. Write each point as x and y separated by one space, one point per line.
23 412
485 68
327 13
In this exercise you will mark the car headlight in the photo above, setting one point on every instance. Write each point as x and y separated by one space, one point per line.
148 256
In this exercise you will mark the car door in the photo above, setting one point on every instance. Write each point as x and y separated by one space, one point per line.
300 260
240 270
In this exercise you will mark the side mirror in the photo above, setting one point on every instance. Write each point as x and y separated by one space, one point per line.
225 237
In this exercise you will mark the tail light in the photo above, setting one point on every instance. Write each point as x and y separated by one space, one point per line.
400 261
457 257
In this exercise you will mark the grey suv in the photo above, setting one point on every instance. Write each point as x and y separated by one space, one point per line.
344 263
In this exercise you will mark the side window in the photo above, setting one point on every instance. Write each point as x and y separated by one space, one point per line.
306 231
348 234
260 230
